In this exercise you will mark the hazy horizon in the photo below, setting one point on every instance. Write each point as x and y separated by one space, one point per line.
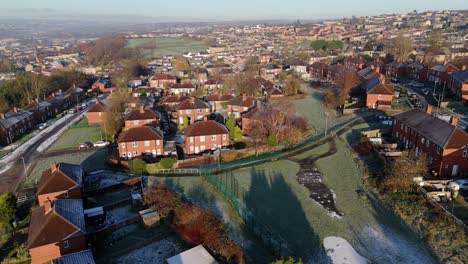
214 11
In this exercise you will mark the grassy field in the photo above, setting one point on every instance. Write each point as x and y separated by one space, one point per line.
168 46
273 194
91 160
77 134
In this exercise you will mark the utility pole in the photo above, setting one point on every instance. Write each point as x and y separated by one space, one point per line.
24 165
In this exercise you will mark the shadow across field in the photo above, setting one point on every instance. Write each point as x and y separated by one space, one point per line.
282 212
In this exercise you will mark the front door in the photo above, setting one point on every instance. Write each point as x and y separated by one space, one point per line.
454 170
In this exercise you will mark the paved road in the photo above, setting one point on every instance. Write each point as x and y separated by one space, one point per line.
14 169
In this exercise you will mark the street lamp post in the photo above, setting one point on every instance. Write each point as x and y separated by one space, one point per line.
24 165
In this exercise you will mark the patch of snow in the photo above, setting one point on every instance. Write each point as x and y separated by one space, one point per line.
341 252
155 253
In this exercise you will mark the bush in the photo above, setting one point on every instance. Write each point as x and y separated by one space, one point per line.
224 105
8 209
167 163
227 156
137 166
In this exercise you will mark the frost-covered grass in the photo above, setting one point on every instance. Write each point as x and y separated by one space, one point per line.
275 197
168 46
91 160
72 138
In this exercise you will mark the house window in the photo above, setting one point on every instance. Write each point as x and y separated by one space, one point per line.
397 134
188 111
135 143
465 152
213 137
191 148
202 147
135 153
147 143
135 122
191 139
66 244
65 194
427 143
224 137
157 142
200 110
438 150
202 138
422 140
122 145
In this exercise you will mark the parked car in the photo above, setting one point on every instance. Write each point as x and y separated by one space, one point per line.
42 126
101 143
461 185
71 111
85 145
83 105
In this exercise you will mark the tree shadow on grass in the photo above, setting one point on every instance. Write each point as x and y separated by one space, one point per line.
277 216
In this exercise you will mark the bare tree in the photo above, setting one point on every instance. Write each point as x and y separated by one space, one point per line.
401 46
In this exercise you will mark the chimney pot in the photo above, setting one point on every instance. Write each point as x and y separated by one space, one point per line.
429 109
2 115
53 166
15 109
454 120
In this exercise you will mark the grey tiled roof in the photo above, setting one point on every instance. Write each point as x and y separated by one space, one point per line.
460 76
83 257
74 172
12 118
72 210
431 127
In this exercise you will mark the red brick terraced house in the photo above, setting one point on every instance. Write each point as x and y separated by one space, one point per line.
160 79
205 136
76 94
182 88
194 109
142 117
270 71
417 71
444 144
355 63
57 228
440 74
138 141
172 101
60 181
395 69
239 105
14 124
40 109
59 102
318 70
97 113
379 94
216 100
458 83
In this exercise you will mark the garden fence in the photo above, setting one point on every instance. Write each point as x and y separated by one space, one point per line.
229 186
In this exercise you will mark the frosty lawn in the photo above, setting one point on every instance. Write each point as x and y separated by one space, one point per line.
168 46
77 134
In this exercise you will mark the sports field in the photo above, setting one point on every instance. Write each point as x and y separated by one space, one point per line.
158 47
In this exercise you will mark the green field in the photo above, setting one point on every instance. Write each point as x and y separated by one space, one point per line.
167 46
91 160
77 134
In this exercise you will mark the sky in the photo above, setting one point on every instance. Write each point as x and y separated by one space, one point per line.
220 10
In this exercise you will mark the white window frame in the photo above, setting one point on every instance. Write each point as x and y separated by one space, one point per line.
202 138
213 137
147 143
135 153
123 145
135 143
65 194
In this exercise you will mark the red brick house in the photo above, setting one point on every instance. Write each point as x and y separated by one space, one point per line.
332 72
379 94
256 118
458 83
204 136
76 94
270 90
440 74
142 117
318 70
57 228
355 63
212 85
182 88
59 102
97 113
239 105
103 86
138 141
60 181
417 71
158 80
444 144
14 124
270 71
40 109
395 70
194 109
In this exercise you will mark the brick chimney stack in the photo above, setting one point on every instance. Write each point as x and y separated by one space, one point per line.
382 78
53 166
15 109
192 100
2 115
454 120
429 109
142 110
47 205
244 97
36 100
463 67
